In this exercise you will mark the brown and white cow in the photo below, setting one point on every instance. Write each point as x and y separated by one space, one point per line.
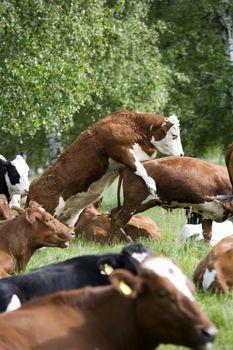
134 313
21 236
89 165
215 271
95 226
182 182
5 211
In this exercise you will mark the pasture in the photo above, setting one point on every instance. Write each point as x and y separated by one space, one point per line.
218 307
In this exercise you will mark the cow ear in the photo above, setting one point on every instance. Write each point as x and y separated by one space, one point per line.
125 283
106 265
30 216
166 125
23 154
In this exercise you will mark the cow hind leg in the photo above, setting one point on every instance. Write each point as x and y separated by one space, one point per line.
207 229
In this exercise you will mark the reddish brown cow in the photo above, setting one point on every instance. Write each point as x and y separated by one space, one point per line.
182 182
134 313
215 272
5 211
89 165
95 226
22 235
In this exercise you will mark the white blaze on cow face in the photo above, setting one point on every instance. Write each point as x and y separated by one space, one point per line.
164 267
18 182
14 304
208 278
140 155
171 144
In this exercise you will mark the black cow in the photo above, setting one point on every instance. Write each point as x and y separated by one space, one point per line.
14 176
70 274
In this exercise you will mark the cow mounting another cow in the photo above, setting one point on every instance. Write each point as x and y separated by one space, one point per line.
90 164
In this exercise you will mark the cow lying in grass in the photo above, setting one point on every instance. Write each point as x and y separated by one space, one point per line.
182 182
95 226
81 271
133 313
90 164
215 271
21 236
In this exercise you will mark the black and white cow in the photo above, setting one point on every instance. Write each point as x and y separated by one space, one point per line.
14 176
92 270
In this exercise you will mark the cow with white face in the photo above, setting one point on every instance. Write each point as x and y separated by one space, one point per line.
14 176
91 163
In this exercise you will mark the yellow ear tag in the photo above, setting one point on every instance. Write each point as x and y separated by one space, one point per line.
107 270
125 288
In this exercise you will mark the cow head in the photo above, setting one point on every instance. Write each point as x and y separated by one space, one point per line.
129 259
166 310
170 144
45 229
16 174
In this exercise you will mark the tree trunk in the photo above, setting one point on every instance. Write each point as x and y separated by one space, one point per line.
226 22
54 143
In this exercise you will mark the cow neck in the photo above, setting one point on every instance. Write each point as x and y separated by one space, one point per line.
143 125
115 317
19 241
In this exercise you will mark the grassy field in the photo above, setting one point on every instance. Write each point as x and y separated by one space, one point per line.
218 307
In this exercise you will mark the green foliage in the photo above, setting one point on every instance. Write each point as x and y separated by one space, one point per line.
65 64
192 46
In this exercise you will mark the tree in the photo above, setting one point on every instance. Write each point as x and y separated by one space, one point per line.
191 45
67 63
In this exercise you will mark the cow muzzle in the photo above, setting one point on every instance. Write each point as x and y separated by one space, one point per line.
208 335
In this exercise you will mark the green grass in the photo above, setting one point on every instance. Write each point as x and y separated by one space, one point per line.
219 308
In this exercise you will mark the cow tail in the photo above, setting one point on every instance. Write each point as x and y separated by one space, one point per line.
119 188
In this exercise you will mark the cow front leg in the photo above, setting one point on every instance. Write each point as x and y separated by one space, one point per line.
207 229
132 160
119 219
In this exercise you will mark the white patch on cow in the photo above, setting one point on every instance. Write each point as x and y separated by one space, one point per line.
138 153
150 198
72 208
139 256
208 278
164 267
209 210
171 144
2 157
72 221
60 206
139 156
14 304
219 231
23 170
15 200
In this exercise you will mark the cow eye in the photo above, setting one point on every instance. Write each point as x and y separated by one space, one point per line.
174 136
163 294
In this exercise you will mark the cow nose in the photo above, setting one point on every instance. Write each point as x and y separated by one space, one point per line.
182 154
209 333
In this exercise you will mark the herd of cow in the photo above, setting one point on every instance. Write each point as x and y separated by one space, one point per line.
132 300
